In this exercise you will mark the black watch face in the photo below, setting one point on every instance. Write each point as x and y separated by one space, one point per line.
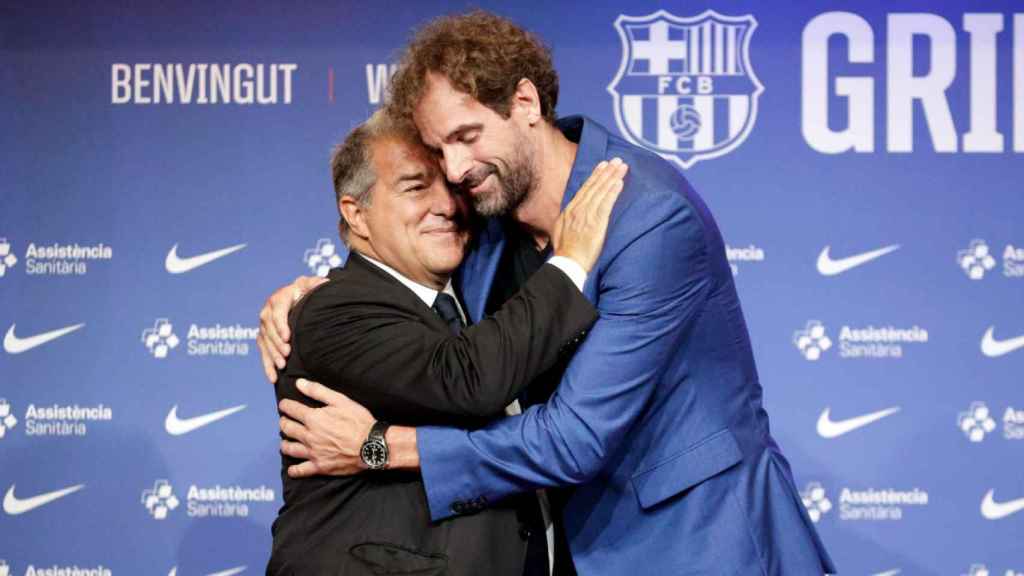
374 454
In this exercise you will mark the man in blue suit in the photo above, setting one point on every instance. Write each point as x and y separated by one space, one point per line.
657 420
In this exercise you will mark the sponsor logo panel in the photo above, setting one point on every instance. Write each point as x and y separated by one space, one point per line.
57 570
54 258
53 420
215 501
858 342
862 504
978 423
218 339
979 261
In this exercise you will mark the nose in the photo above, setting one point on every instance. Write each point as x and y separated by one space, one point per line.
443 202
456 163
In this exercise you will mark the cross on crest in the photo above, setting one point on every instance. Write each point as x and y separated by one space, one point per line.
685 88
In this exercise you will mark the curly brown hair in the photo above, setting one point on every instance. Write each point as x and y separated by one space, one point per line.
481 54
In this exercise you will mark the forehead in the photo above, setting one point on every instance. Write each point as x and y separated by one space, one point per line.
395 158
442 108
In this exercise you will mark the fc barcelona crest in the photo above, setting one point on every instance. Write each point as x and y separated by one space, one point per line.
685 87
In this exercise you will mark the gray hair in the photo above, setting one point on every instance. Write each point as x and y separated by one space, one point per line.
352 161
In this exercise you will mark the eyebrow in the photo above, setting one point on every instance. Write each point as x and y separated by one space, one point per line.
462 128
412 176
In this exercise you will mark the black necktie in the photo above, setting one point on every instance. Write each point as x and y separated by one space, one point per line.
446 308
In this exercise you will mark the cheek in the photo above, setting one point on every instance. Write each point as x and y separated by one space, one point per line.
413 214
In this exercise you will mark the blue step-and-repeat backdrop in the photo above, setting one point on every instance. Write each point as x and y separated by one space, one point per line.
165 167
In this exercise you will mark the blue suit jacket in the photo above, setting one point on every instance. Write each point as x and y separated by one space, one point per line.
658 419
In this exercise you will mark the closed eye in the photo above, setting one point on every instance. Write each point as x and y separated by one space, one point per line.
465 134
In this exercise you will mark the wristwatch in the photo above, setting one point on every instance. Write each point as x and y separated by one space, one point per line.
374 452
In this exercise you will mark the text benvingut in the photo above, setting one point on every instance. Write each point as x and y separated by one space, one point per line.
152 83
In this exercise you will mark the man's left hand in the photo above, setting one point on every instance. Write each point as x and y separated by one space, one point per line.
329 438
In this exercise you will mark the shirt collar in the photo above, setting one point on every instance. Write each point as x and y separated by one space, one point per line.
425 293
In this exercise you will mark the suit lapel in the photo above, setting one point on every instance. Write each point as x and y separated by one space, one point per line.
476 275
592 142
397 293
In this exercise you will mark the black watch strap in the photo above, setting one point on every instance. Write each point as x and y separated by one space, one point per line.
378 430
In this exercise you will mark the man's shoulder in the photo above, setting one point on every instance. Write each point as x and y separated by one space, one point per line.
653 192
657 199
354 284
650 175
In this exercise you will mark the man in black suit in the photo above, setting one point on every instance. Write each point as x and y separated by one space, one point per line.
387 330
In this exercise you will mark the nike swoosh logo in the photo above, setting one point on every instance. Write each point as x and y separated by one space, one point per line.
176 265
829 429
15 345
992 348
228 572
176 426
14 505
888 573
995 510
829 267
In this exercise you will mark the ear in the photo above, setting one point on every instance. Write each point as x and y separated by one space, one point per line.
526 100
355 215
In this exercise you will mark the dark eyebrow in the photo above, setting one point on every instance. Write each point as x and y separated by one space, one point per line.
461 129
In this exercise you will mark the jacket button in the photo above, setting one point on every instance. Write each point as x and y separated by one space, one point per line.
459 507
524 532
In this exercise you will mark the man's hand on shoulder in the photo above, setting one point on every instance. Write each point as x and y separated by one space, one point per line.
274 333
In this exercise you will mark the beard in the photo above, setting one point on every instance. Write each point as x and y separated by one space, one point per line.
513 183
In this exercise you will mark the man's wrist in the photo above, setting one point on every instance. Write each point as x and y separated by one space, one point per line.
570 268
402 449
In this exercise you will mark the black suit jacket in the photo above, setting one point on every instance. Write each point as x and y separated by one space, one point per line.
365 334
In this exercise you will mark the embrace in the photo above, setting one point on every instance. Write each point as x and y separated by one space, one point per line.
534 360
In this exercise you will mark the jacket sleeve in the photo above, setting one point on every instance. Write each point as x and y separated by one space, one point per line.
385 357
650 289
